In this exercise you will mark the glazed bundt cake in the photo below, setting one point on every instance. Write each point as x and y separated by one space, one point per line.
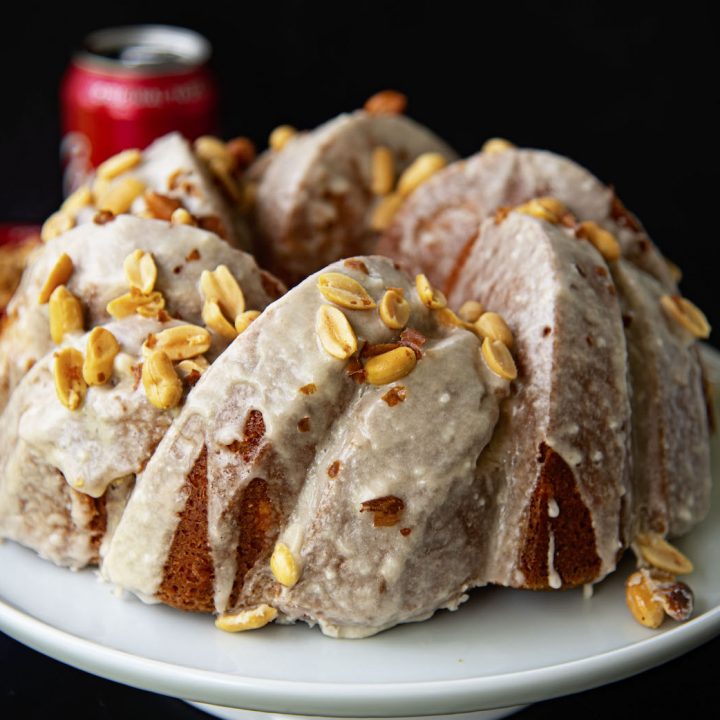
437 225
363 451
143 288
670 463
66 475
168 176
301 475
558 467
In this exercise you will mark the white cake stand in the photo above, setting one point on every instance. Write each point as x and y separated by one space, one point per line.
502 649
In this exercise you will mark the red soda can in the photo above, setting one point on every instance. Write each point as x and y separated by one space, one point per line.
127 87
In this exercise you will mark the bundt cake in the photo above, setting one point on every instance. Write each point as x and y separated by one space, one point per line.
439 221
323 195
67 474
96 254
169 175
322 466
142 287
557 472
363 451
447 215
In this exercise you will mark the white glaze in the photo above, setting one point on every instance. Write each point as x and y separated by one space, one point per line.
554 579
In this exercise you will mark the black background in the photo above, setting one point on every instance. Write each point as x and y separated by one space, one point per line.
628 90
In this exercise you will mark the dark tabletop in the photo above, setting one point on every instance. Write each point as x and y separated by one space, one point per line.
625 90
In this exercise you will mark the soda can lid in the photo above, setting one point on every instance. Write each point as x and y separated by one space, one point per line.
145 48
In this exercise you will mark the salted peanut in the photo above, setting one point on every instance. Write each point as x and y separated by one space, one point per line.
208 147
70 386
674 270
100 352
136 302
496 145
394 309
140 271
471 310
99 188
686 314
154 307
57 224
75 202
65 313
185 368
676 597
59 275
283 565
429 296
118 164
336 335
250 619
641 600
226 180
182 217
445 316
422 169
382 170
553 205
390 366
242 150
344 291
243 320
491 325
119 197
499 359
220 285
605 242
249 197
180 342
390 102
280 136
162 385
659 553
160 206
649 589
385 211
539 208
213 317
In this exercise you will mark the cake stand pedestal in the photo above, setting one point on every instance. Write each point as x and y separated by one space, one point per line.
226 713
